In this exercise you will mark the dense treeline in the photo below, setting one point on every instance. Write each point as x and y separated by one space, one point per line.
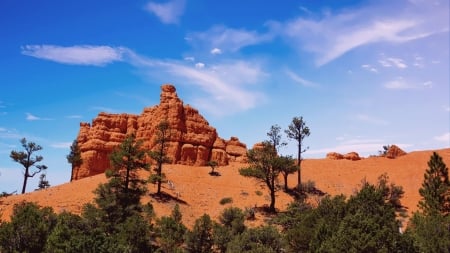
118 221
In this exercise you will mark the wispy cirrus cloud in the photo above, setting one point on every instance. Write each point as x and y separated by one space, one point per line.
226 87
169 12
31 117
76 55
335 34
227 39
393 62
298 79
226 83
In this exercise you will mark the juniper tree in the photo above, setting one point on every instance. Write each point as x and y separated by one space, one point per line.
74 157
28 161
263 167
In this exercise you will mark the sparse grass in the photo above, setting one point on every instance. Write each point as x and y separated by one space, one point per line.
226 200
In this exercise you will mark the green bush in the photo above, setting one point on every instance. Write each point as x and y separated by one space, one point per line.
226 200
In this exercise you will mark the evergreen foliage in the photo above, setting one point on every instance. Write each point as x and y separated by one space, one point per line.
74 157
298 131
26 159
263 167
28 229
265 239
43 182
170 231
160 154
200 239
435 190
430 227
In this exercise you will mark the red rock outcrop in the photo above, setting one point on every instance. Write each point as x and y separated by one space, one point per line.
352 156
335 156
394 152
192 141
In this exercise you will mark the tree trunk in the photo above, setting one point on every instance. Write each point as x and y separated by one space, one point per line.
272 200
286 188
159 178
299 160
25 179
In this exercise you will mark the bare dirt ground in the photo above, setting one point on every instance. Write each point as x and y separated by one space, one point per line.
197 192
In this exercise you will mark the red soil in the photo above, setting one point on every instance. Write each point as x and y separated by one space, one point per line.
200 193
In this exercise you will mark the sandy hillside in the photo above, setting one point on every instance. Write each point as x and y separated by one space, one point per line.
200 193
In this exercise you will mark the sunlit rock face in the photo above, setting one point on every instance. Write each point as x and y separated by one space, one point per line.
191 141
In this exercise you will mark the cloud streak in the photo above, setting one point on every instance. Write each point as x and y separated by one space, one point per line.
335 34
76 55
31 117
296 78
227 39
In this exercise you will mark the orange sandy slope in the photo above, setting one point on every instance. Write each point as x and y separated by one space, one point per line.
201 193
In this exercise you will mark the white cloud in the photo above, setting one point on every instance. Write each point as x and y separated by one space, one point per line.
299 79
393 62
199 65
443 138
226 84
335 34
227 39
189 58
369 68
224 88
31 117
76 55
397 84
371 119
168 13
216 51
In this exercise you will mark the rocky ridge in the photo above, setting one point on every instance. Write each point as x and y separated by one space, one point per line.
192 140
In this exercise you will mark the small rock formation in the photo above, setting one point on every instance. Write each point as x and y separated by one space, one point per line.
352 156
394 152
192 140
349 156
335 156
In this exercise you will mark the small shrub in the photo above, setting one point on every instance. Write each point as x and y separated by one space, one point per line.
226 200
258 193
309 186
250 213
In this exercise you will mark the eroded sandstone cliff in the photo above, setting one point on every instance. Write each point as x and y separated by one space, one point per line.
192 140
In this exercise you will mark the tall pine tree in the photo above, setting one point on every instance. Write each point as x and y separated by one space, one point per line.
435 190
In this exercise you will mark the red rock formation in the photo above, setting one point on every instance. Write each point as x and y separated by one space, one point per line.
394 152
192 141
352 156
335 156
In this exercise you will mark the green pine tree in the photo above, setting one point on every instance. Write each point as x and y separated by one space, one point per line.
435 190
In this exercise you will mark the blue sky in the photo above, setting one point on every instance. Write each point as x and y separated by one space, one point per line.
363 74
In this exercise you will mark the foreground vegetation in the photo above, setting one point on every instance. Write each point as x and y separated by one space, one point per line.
118 221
